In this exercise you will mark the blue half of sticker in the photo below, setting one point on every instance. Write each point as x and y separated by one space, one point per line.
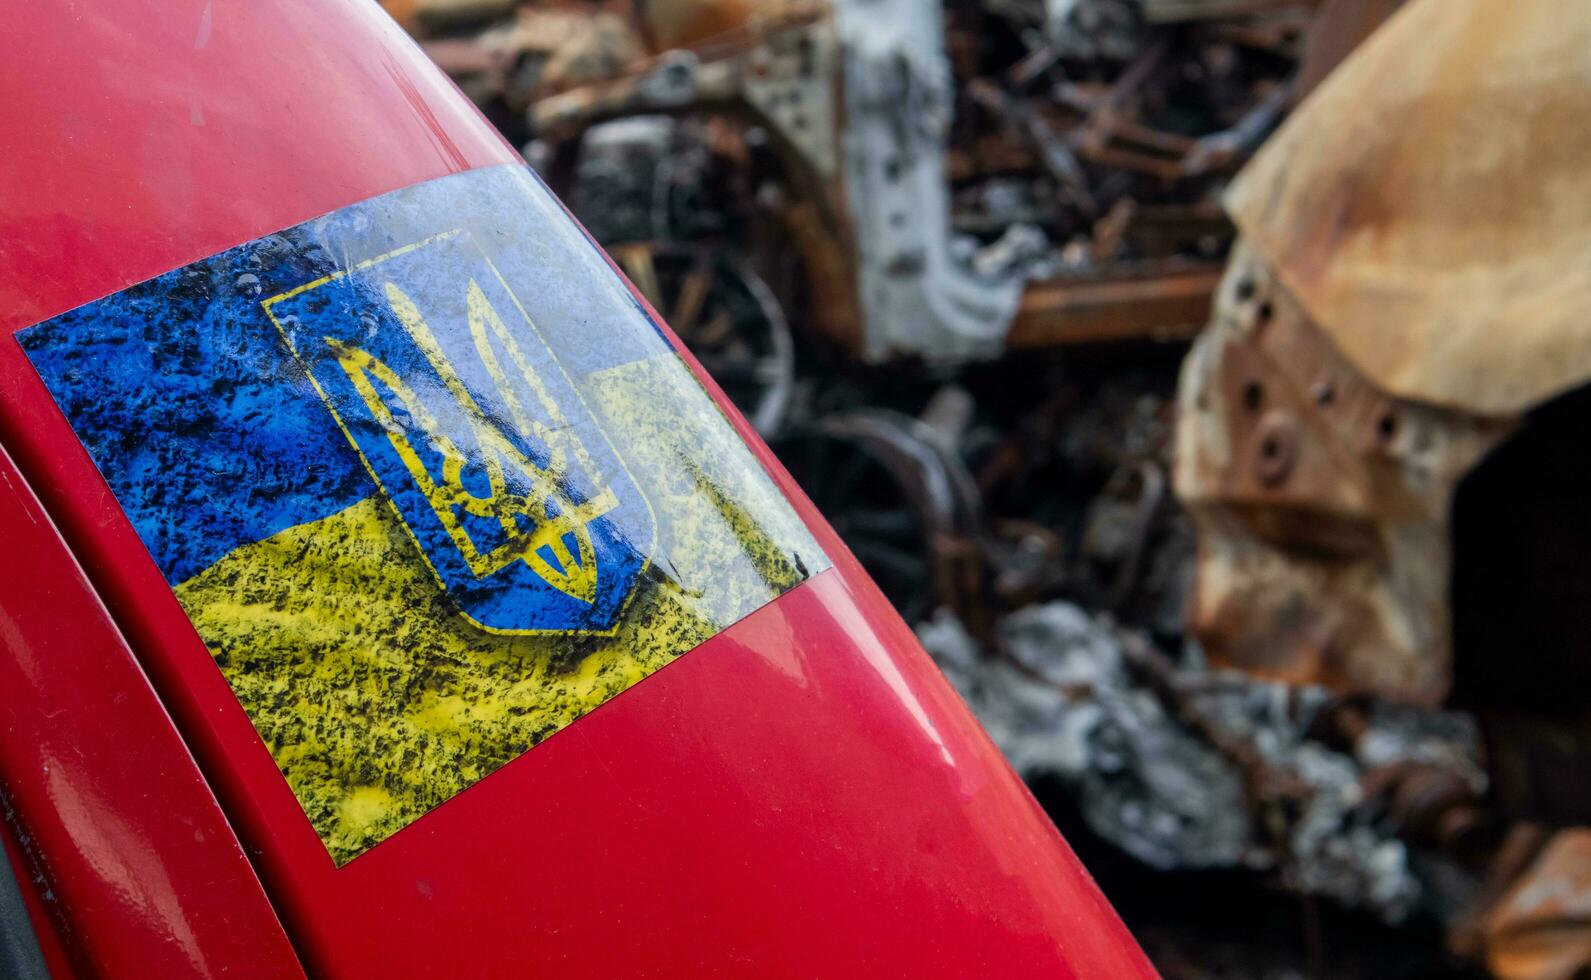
427 480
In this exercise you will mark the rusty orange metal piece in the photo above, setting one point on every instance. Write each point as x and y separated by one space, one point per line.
1428 207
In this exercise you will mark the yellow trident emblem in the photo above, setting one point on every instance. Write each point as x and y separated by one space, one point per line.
537 520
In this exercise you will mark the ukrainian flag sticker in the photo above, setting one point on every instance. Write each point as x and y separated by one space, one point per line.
428 481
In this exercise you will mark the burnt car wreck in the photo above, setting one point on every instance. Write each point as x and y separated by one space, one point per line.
1216 439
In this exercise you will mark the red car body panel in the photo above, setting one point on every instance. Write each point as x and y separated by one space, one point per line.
107 803
802 795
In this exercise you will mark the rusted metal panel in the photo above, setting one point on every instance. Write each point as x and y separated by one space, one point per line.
1322 502
1428 207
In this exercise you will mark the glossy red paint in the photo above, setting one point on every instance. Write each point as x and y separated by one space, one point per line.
802 795
110 811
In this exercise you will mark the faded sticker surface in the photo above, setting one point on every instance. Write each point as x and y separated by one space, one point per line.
428 482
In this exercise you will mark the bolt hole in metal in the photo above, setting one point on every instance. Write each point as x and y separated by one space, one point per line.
1277 449
1253 396
1387 427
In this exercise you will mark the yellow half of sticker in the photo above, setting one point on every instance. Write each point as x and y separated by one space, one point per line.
378 700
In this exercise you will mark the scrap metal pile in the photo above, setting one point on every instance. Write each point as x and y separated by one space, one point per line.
948 259
1009 175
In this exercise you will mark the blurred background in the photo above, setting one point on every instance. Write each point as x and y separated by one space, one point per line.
1230 584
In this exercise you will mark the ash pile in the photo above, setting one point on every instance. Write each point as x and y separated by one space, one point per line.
972 270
